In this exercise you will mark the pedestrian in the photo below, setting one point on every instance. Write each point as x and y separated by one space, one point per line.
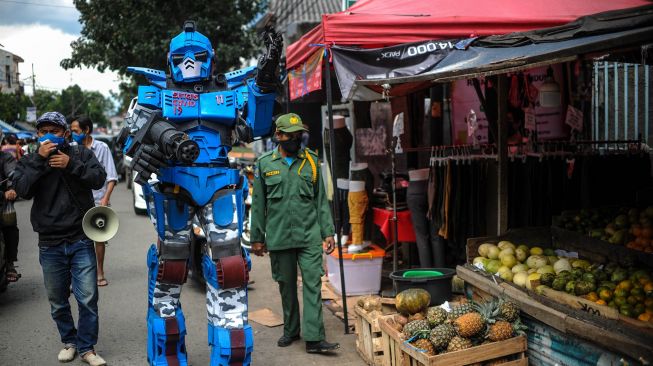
59 178
11 145
291 220
8 220
81 129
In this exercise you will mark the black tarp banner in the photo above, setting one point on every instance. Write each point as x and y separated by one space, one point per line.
408 59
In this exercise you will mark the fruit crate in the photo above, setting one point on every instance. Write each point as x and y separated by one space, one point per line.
396 352
368 337
623 338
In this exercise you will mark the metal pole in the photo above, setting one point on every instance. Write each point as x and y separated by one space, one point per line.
605 100
626 102
646 103
636 94
502 145
336 201
596 101
616 101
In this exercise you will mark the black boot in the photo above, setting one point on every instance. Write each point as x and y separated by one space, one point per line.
321 347
286 341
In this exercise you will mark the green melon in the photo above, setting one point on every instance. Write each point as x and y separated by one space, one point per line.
412 301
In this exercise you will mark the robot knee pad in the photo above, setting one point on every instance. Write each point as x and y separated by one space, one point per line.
231 346
166 339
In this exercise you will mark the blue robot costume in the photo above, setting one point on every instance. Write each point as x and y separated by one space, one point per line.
182 129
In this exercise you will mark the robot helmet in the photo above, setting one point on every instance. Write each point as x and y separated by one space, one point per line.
190 55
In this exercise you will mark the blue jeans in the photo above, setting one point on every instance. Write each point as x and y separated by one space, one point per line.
61 264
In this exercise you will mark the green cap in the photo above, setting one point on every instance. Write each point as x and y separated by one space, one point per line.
289 123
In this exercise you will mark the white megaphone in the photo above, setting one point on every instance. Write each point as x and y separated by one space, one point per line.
100 223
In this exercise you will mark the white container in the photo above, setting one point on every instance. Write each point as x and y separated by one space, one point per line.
362 271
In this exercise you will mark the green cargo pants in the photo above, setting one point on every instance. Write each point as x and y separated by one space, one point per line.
284 271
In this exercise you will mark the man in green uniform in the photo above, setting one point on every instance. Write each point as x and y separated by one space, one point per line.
291 219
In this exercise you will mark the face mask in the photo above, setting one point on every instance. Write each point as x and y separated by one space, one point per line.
79 138
53 138
291 146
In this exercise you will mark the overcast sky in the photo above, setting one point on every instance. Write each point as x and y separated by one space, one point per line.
41 35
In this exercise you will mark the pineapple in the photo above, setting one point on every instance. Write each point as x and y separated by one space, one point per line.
509 311
436 316
460 310
500 331
425 345
498 361
441 335
458 343
419 328
469 325
416 316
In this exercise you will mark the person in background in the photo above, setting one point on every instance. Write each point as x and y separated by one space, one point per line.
11 146
8 213
81 128
60 177
291 218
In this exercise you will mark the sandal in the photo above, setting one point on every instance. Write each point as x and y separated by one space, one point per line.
12 275
101 282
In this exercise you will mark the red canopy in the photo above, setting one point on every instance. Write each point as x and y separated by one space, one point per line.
377 23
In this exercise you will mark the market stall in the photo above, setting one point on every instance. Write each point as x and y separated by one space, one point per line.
563 318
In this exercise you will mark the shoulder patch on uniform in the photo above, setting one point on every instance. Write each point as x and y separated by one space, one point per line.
272 172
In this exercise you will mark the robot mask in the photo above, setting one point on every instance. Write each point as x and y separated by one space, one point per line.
191 68
190 55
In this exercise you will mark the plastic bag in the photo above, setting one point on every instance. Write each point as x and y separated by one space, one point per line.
8 217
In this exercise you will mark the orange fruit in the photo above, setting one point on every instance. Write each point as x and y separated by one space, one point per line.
592 296
648 287
644 317
625 285
601 302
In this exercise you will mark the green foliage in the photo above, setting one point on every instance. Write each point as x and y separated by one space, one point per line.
121 33
70 101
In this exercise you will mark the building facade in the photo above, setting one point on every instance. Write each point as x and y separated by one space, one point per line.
9 74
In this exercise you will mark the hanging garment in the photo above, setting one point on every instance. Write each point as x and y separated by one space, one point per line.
429 247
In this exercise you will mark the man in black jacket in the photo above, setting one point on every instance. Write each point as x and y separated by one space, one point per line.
60 178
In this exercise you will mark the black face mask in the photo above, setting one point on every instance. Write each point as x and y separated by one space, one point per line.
291 146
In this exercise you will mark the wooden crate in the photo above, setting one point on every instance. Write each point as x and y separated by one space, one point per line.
368 337
618 336
398 353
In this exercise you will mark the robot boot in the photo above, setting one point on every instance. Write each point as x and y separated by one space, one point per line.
166 326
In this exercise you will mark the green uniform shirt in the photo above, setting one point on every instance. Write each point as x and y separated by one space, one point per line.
289 206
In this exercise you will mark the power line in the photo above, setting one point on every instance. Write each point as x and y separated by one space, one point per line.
38 4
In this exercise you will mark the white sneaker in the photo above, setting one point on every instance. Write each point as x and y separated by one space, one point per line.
357 248
93 359
67 354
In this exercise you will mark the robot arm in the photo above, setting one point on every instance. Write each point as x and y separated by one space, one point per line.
259 92
151 141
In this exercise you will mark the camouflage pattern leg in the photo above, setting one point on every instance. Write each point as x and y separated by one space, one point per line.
230 337
168 270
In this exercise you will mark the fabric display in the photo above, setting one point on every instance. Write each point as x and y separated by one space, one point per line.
430 246
342 191
456 199
343 141
360 172
542 188
358 204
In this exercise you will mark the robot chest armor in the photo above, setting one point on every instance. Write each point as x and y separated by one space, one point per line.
181 106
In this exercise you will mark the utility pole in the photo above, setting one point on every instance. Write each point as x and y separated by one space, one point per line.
33 81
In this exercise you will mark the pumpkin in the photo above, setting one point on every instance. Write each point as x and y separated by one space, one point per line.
412 301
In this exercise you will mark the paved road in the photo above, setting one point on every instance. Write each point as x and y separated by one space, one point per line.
28 335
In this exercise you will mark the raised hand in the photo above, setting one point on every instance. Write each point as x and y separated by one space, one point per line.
268 64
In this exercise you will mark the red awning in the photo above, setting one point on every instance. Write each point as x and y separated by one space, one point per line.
377 23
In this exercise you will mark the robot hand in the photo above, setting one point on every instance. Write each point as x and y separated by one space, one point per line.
147 160
268 64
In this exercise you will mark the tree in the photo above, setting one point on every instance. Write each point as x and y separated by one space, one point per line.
120 33
71 101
